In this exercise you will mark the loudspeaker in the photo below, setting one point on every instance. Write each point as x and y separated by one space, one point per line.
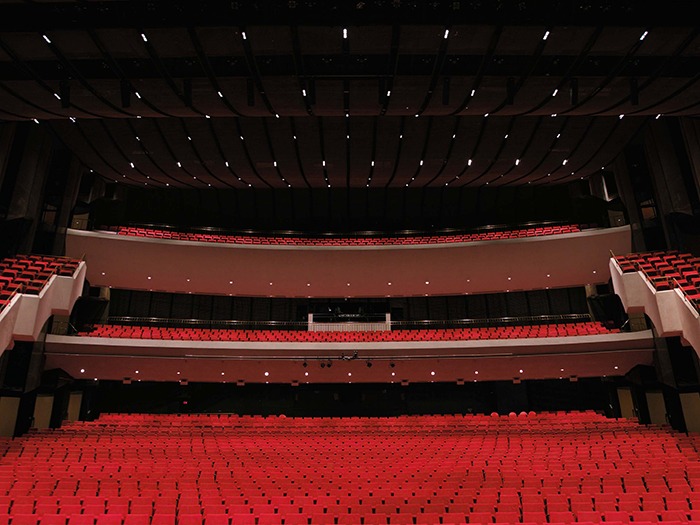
608 309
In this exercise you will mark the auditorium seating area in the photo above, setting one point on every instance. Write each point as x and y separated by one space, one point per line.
666 270
30 273
557 468
348 241
303 336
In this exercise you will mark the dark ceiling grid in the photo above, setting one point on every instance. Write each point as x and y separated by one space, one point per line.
78 125
470 158
254 72
133 167
124 80
347 158
611 75
205 165
395 165
531 133
246 153
306 88
485 60
688 84
162 70
651 78
139 138
594 155
374 153
483 130
424 149
224 158
568 168
437 69
392 64
570 72
683 110
24 100
563 122
332 133
297 155
497 155
271 148
673 94
512 91
75 73
322 146
448 156
229 133
306 145
178 165
388 142
21 64
10 113
206 67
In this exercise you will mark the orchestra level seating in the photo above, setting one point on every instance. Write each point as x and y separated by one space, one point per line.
558 468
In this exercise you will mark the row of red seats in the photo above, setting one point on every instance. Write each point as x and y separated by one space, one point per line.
348 241
302 336
666 270
30 273
201 469
319 518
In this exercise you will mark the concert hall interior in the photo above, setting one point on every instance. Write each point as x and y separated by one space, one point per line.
311 233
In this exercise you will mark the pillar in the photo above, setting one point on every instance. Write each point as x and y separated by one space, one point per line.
7 136
28 192
68 200
627 196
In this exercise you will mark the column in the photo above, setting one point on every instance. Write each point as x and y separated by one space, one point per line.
29 186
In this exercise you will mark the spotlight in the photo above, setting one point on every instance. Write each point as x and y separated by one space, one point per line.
330 363
323 365
392 364
304 364
369 364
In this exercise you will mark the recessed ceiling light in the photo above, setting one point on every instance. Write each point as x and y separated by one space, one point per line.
267 374
82 370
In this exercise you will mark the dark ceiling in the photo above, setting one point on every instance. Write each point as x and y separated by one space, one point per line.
312 94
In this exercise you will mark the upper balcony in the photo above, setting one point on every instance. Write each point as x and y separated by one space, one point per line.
348 270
